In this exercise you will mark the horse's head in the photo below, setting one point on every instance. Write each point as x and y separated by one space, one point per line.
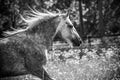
67 32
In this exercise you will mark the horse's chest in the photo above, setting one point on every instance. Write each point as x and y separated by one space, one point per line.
4 41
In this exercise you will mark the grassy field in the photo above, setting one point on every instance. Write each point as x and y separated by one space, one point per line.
85 63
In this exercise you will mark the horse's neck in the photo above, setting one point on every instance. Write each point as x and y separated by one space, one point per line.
43 33
41 38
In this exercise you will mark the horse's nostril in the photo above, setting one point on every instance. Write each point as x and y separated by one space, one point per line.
80 43
76 42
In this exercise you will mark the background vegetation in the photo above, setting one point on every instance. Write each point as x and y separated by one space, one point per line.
98 18
97 22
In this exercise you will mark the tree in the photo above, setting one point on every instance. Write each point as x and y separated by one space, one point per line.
101 22
81 19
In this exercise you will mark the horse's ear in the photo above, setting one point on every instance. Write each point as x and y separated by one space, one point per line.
68 12
66 15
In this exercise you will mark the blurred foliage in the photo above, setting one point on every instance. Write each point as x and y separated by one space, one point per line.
110 12
10 10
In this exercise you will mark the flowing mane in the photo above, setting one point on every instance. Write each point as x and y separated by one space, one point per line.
33 18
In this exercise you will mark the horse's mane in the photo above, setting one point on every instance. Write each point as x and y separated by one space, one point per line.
34 17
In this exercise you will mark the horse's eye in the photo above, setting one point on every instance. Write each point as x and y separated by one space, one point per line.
70 26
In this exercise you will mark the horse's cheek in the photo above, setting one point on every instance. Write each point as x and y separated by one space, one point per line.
73 36
65 33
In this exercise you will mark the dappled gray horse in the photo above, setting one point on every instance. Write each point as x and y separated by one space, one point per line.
22 50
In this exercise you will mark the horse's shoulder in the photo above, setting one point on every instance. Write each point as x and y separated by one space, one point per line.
12 39
4 40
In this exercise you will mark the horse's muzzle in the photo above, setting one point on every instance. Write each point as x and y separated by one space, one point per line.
76 42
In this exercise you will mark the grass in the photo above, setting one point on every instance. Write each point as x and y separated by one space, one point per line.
95 64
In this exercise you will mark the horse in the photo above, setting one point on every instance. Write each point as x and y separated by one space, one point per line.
22 50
